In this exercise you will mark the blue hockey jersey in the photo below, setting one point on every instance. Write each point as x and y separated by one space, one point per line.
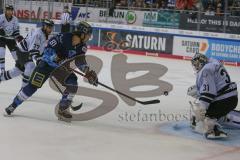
60 48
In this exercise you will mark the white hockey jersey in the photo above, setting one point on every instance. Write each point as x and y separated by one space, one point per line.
11 27
35 40
214 83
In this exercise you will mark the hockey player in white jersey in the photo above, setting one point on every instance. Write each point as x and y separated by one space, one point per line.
9 32
216 94
28 50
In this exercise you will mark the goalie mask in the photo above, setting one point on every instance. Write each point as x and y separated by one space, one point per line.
198 61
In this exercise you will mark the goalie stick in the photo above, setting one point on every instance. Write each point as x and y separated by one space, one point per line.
74 108
123 94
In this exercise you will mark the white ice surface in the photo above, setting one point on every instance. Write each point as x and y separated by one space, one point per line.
36 134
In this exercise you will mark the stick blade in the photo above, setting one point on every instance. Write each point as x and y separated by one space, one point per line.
155 101
76 108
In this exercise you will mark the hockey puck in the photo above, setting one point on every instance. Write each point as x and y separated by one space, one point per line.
165 93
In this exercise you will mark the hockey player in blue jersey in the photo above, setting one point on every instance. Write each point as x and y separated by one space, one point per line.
61 47
217 97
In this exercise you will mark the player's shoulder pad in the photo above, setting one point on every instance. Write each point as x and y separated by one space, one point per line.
208 69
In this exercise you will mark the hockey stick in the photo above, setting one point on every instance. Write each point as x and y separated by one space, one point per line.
74 108
7 37
114 90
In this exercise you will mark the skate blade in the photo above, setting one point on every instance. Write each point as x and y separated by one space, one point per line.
221 136
68 120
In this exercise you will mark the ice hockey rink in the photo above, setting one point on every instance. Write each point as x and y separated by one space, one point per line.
34 133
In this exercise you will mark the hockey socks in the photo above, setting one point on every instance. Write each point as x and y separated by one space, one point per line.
23 95
2 58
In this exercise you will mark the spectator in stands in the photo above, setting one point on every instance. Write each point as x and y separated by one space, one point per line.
219 11
185 4
150 3
170 4
161 4
139 4
210 11
122 3
205 4
235 8
65 20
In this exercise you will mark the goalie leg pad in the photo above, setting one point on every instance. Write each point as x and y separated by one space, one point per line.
231 121
198 110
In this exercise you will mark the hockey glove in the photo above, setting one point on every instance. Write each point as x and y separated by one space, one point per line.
35 55
92 77
19 38
192 91
38 59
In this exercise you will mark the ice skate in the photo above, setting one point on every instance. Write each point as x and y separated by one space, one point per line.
9 110
64 115
63 112
216 133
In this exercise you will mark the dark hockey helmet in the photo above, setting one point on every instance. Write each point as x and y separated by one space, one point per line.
9 7
83 28
198 61
47 22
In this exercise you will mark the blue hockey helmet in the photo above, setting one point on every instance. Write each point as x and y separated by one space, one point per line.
83 28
